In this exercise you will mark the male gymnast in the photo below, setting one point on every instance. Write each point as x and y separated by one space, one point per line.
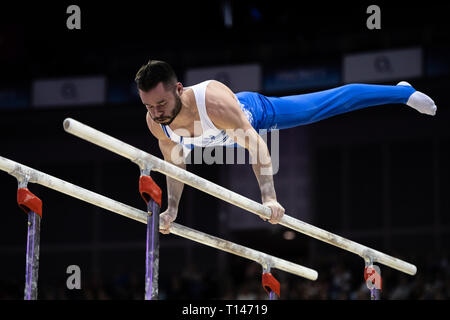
210 114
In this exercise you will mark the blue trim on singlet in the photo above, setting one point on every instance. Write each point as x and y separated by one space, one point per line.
165 131
190 146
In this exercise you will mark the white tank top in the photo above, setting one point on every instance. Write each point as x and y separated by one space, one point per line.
211 136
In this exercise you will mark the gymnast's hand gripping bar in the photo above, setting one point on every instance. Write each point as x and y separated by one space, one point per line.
146 160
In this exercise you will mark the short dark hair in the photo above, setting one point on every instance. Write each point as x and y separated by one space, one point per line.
154 72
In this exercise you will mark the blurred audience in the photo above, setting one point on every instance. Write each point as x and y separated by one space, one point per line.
340 282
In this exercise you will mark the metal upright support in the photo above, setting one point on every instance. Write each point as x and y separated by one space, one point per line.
151 194
32 260
152 252
372 276
270 284
32 205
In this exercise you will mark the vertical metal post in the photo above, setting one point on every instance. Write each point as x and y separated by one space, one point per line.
272 296
374 294
152 251
372 275
32 261
151 194
32 205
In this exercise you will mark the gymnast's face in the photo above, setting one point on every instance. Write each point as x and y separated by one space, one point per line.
162 105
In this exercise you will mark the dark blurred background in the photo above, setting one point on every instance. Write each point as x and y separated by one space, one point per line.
379 176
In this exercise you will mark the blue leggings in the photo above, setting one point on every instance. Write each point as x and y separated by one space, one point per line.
296 110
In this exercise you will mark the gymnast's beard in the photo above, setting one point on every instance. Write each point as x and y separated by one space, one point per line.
175 112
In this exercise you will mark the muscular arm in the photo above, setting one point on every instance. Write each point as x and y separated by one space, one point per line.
173 153
174 187
224 111
246 136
